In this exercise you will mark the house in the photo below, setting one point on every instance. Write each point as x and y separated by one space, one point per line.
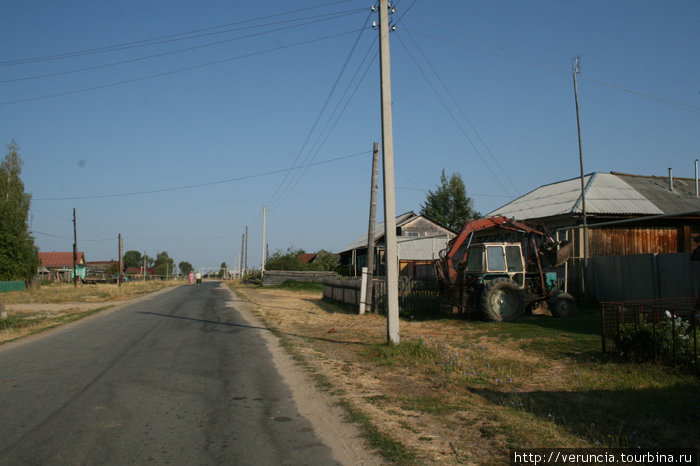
58 266
638 218
316 258
101 267
419 240
136 272
626 214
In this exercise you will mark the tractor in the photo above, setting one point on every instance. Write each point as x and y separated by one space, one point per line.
509 270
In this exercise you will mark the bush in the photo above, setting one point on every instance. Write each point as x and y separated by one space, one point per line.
645 340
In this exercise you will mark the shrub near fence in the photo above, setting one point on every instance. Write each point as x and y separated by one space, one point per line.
662 330
414 295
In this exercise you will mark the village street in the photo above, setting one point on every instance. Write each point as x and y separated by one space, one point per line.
181 377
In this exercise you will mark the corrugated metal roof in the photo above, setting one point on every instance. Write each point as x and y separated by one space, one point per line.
361 242
657 190
606 194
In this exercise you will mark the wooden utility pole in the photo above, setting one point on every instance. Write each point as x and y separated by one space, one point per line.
144 266
370 232
262 268
75 251
121 262
392 265
577 62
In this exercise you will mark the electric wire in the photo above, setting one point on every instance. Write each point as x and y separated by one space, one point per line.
464 115
177 70
147 42
454 119
335 117
200 185
320 113
527 60
315 20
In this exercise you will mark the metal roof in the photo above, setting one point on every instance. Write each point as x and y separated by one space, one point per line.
606 194
361 242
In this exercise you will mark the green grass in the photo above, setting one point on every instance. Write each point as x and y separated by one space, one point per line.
390 449
295 285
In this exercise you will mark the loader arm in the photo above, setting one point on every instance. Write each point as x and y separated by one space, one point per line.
455 253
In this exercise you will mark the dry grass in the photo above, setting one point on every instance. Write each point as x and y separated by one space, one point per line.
35 310
461 392
67 293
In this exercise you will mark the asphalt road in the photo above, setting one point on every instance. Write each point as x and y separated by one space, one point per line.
177 378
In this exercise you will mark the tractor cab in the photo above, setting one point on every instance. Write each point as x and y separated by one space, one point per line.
487 261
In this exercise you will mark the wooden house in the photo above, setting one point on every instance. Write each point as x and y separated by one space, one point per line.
419 240
58 266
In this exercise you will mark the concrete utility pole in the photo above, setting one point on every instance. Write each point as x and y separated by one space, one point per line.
121 261
75 251
246 250
262 268
242 253
370 232
392 266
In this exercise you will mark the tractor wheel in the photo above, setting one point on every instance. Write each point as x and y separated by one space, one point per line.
562 305
502 300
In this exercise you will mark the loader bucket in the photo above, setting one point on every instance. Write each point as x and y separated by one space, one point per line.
558 256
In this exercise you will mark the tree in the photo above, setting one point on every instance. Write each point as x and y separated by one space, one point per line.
449 203
223 270
164 264
325 261
185 267
288 260
133 259
19 257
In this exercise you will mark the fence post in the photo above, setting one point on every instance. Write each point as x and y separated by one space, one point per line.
363 290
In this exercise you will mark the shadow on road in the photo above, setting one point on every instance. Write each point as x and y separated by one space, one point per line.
267 329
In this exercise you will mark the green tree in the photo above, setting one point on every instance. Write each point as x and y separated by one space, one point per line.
288 260
164 264
185 267
19 257
133 259
449 203
223 270
325 261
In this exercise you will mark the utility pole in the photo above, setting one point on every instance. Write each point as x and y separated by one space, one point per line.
370 232
577 62
246 249
392 266
263 243
75 251
121 262
144 267
242 249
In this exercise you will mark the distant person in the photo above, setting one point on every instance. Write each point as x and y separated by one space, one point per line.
191 277
199 278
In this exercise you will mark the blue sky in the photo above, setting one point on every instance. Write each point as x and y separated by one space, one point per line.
173 123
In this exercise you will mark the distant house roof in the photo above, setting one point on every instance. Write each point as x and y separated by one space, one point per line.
138 271
606 194
401 220
306 257
60 259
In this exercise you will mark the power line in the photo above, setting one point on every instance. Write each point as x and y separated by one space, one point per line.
326 17
200 185
335 117
527 60
323 108
175 71
454 119
155 40
464 115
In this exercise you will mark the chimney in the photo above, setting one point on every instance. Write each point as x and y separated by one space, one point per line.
670 179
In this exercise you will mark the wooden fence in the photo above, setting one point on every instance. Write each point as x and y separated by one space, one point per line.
414 295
